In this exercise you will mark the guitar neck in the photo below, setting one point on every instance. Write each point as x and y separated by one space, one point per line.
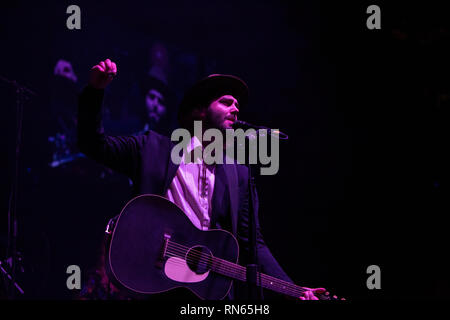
238 272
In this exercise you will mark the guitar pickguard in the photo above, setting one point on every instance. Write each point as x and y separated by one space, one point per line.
177 269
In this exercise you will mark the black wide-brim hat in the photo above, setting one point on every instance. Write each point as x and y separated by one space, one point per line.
210 88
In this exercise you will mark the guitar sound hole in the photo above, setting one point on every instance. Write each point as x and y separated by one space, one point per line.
199 259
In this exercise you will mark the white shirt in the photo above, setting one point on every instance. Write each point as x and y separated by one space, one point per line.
192 188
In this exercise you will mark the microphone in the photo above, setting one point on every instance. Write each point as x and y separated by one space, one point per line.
239 124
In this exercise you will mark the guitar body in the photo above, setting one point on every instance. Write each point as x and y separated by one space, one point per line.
141 260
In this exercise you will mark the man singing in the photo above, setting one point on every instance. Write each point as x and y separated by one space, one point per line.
212 196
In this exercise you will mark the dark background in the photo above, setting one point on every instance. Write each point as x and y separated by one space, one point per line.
363 178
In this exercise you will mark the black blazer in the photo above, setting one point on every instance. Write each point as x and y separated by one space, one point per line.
146 160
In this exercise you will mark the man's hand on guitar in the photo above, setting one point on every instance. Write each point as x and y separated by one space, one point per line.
102 74
312 294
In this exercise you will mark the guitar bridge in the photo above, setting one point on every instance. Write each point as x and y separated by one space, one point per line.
166 244
162 257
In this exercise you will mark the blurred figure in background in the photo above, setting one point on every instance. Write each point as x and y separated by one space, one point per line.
156 110
159 63
62 126
64 69
151 101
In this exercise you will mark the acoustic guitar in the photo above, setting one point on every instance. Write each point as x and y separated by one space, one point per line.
155 248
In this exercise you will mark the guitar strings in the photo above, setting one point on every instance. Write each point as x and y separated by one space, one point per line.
289 288
236 270
274 286
232 266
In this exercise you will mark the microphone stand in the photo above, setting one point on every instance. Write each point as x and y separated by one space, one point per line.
21 96
253 281
255 291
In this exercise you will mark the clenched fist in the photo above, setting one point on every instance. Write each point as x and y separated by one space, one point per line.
102 74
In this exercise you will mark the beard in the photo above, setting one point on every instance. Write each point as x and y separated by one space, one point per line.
217 122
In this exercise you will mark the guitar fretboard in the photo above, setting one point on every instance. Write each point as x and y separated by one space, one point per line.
234 271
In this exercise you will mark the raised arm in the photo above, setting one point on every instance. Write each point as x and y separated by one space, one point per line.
122 153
